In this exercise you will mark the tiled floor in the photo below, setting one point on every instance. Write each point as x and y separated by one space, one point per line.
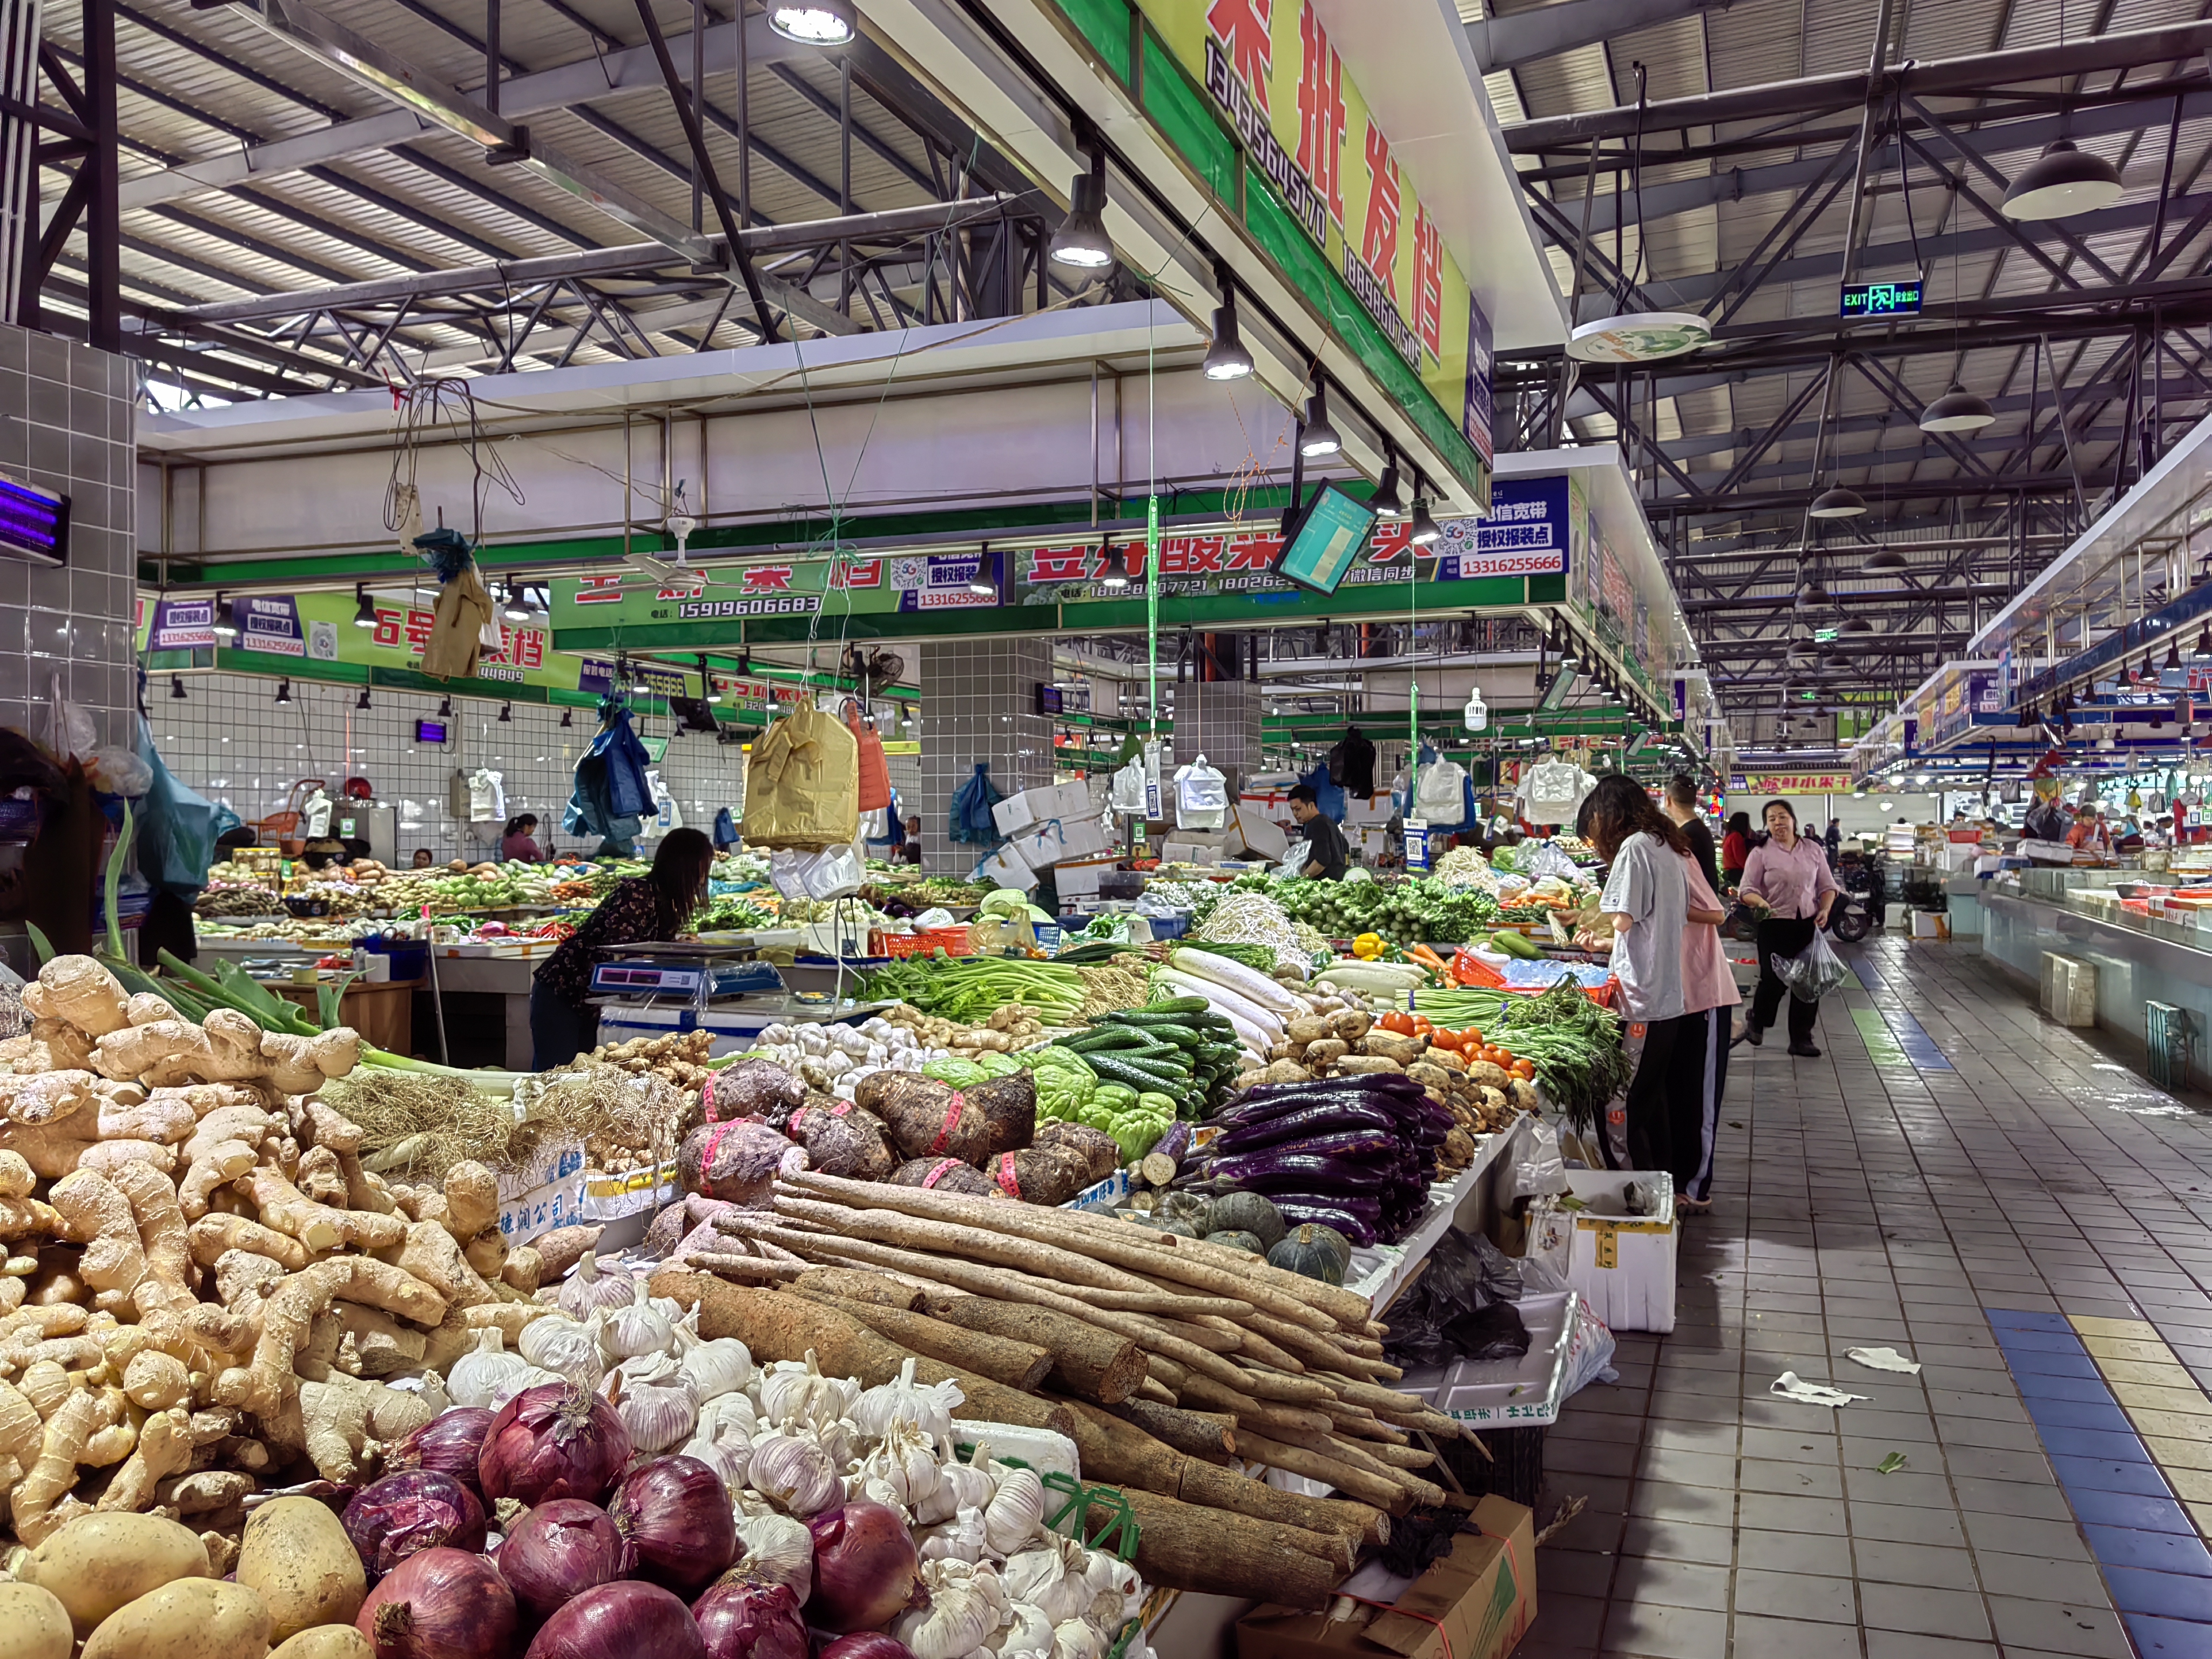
1995 1197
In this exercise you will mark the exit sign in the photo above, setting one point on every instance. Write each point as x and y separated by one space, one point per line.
1882 298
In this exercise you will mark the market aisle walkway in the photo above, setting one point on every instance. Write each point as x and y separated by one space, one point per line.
1986 1193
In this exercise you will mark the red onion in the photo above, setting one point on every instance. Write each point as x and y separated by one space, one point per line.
441 1604
558 1551
865 1568
865 1645
449 1443
627 1620
674 1513
556 1440
742 1620
405 1514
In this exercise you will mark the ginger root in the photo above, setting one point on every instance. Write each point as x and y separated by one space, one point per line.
51 1096
164 1448
471 1194
167 1286
300 1065
159 1117
350 1421
219 1165
379 1285
234 1121
78 989
433 1256
318 1227
211 1235
144 1008
98 1216
111 1155
155 1380
40 1502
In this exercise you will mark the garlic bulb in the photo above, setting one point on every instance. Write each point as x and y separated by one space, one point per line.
796 1473
928 1406
960 1539
1027 1633
1115 1590
795 1388
1016 1515
529 1377
966 1604
906 1463
655 1400
432 1394
872 1489
728 1417
566 1347
1050 1578
1076 1638
970 1484
479 1374
586 1288
636 1329
722 1437
721 1366
778 1550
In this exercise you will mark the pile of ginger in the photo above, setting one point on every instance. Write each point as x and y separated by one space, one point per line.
201 1285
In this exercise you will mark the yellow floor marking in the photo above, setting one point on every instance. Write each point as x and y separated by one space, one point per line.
2136 1330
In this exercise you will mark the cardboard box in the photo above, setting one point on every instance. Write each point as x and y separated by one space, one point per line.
1016 813
1475 1603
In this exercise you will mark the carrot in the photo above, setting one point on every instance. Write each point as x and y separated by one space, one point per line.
1429 959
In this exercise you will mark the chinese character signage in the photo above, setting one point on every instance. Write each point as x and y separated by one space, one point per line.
1526 533
1882 298
1791 783
182 625
1277 81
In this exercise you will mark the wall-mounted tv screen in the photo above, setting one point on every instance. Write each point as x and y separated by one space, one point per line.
1328 535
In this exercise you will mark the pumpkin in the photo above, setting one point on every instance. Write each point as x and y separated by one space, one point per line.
1247 1212
1314 1251
1236 1240
1168 1223
1182 1206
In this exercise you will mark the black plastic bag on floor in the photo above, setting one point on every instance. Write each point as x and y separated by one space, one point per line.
1461 1308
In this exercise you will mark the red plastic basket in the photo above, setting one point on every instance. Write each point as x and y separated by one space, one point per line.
953 941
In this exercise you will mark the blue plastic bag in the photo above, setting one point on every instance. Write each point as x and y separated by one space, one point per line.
176 828
971 809
1328 796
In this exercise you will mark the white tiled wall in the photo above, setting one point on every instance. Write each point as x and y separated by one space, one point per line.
230 740
978 703
65 425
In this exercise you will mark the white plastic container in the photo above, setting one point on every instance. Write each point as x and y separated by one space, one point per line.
1624 1264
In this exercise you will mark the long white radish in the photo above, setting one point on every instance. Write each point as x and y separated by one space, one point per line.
1253 986
1250 1020
1370 977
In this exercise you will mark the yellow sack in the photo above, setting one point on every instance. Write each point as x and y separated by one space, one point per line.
802 784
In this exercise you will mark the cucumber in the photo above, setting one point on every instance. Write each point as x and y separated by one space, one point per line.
1107 1036
1180 1007
1114 1068
1516 945
1182 1037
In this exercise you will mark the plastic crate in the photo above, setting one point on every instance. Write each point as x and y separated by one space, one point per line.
953 941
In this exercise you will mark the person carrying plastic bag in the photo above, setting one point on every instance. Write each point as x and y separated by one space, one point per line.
1788 883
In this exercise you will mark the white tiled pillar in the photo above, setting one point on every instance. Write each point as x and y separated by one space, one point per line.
1221 720
978 703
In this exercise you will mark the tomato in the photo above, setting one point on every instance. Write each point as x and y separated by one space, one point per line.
1421 1027
1445 1040
1523 1070
1397 1020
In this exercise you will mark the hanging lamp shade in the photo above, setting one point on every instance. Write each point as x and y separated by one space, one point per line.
1226 358
2062 181
1319 437
1837 501
1813 596
815 23
1386 501
1081 241
1639 337
1885 558
1425 528
1957 410
1857 625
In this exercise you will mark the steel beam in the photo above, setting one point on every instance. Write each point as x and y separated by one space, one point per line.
1976 77
1542 32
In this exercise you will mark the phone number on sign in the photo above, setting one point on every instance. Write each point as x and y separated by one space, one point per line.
780 604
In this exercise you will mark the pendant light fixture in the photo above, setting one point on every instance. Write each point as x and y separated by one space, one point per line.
1386 501
1884 558
362 701
445 708
1957 410
226 620
1425 528
2204 643
176 688
1317 438
2174 653
567 719
1632 335
1837 501
364 611
1081 241
2061 182
1857 625
507 714
813 22
283 692
517 609
1226 358
1812 596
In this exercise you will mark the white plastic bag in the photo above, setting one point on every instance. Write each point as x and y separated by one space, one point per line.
1201 796
120 772
1440 791
833 872
1127 793
1814 971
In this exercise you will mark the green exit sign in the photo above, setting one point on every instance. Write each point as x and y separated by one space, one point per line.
1882 298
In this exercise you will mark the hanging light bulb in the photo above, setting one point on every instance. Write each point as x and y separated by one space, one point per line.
1957 410
2061 182
813 22
1319 438
1081 241
364 609
176 688
1226 358
1386 501
1476 715
226 620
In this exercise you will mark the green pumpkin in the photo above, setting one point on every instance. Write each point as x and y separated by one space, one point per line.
1314 1251
1175 1224
1182 1206
1247 1212
1236 1240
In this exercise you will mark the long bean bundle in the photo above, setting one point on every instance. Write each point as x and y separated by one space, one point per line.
1573 1044
969 988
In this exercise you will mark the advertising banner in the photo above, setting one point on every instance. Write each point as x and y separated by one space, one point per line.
182 625
1791 783
268 623
1527 532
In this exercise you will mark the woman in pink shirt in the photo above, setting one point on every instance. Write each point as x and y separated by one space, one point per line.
1789 882
1698 1076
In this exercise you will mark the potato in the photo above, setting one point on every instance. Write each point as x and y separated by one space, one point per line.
34 1624
97 1563
1390 1045
1309 1027
1445 1058
1286 1071
1324 1054
1352 1024
191 1619
326 1642
1434 1078
298 1557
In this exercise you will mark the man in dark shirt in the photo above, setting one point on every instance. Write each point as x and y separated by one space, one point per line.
1681 805
1327 853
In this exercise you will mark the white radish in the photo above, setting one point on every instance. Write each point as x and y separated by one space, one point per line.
1251 986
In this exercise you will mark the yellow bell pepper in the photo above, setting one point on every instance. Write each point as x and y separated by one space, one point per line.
1368 946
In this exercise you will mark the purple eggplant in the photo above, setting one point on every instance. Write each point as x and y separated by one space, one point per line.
1322 1118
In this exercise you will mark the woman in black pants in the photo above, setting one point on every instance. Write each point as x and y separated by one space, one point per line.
1789 882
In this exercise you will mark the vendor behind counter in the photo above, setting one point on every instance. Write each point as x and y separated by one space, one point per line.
1327 851
639 910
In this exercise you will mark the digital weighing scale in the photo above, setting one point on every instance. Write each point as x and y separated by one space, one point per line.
652 990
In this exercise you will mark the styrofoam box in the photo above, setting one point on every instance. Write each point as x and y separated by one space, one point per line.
1015 813
527 1215
1082 837
1624 1264
1007 868
1929 924
1520 1392
555 1162
1041 847
1080 879
1073 800
2070 989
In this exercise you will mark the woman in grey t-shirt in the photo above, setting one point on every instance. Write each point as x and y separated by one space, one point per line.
1644 904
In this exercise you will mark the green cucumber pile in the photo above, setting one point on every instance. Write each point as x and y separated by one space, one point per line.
1179 1049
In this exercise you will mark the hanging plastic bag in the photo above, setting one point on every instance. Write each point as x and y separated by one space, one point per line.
1127 792
1295 859
800 783
118 772
1814 971
177 829
1440 793
1201 796
971 809
834 872
70 733
872 773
